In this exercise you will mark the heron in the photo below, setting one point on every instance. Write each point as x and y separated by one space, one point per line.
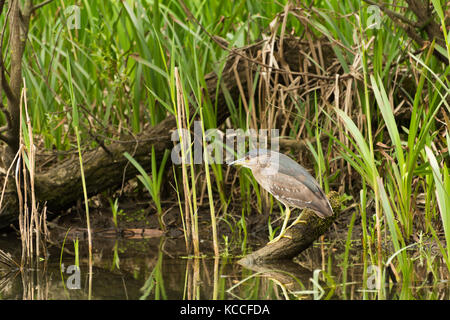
288 182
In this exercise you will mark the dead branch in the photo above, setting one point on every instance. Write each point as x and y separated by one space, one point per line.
40 5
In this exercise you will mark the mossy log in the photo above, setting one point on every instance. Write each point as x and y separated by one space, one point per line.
297 238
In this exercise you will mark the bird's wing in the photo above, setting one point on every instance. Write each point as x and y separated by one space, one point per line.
295 193
293 169
289 191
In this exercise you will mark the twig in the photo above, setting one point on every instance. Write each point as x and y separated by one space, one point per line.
393 14
7 176
7 115
40 5
5 85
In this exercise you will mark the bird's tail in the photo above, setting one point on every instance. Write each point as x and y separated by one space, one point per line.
323 207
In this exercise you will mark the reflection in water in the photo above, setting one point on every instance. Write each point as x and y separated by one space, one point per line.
157 269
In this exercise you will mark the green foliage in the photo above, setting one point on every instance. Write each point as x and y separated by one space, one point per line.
153 183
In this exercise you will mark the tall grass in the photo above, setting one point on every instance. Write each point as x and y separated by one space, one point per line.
75 123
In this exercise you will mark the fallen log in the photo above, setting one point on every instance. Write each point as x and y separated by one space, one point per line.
297 238
60 185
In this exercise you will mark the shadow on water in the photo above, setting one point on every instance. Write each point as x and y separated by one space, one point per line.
155 269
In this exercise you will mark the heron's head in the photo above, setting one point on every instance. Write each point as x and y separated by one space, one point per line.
259 159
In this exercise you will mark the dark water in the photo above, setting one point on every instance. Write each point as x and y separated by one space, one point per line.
157 269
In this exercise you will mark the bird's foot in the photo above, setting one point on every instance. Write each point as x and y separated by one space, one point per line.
298 221
295 223
279 238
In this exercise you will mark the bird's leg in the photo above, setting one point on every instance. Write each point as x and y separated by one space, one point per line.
283 228
298 220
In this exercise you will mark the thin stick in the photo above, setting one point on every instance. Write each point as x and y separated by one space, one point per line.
7 175
40 5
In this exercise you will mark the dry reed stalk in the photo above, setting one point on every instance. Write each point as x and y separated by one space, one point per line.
189 190
30 223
